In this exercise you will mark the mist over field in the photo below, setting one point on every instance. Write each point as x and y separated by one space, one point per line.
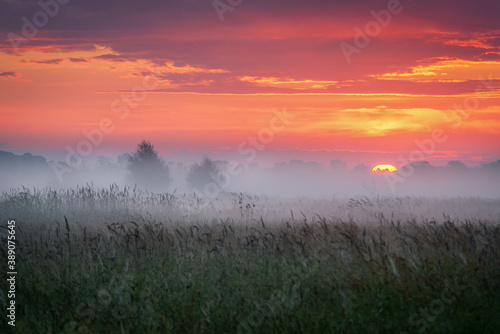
214 247
288 178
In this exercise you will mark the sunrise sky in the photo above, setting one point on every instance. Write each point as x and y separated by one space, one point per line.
211 83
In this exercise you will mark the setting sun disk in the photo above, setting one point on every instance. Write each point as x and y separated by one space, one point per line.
383 169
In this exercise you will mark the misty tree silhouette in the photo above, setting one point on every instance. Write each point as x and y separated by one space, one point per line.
201 174
455 164
146 169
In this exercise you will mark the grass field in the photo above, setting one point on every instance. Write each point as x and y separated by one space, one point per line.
121 261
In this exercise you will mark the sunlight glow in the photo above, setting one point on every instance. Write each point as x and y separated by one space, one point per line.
383 169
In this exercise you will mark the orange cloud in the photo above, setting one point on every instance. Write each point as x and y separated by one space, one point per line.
446 70
288 83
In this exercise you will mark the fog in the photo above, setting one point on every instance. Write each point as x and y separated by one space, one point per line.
288 178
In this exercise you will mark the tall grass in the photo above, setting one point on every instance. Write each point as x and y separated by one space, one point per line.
247 264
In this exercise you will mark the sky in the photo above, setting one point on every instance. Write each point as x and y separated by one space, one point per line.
365 81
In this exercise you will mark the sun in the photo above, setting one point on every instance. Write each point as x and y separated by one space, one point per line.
383 169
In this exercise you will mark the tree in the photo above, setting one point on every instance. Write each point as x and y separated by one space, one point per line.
338 166
455 164
201 174
360 169
146 169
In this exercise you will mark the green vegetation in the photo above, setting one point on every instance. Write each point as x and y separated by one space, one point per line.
113 261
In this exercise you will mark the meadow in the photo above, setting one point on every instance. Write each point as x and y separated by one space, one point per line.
118 260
